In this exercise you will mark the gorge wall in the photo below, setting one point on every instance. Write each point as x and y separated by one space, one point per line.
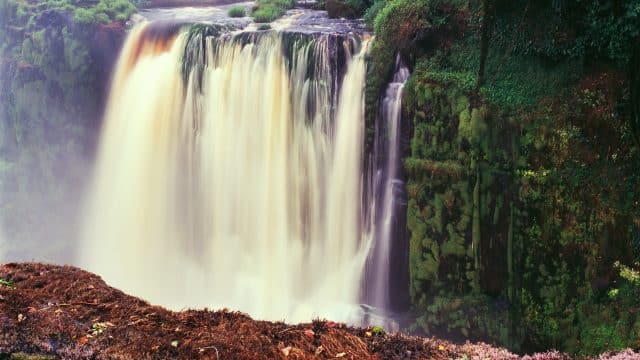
522 190
55 64
522 206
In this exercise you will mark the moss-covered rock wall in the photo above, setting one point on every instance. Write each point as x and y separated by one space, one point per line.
461 199
55 63
519 222
524 201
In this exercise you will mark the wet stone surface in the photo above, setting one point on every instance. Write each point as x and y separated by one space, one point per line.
299 20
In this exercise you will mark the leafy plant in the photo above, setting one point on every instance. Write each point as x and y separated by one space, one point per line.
7 283
269 10
237 11
378 330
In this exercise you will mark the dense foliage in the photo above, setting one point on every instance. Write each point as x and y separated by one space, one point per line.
237 11
524 193
55 61
270 10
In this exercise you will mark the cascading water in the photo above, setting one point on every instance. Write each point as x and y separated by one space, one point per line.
386 186
229 173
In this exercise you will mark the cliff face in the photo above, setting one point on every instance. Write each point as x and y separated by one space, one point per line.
55 69
523 189
523 192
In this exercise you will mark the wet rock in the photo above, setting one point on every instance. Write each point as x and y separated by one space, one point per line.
340 9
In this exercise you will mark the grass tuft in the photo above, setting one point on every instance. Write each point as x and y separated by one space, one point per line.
269 10
237 12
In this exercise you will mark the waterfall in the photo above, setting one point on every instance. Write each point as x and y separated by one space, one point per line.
229 173
387 186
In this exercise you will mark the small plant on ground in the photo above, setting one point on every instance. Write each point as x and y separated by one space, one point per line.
99 327
377 330
7 283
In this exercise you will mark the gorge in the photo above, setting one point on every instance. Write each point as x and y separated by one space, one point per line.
460 169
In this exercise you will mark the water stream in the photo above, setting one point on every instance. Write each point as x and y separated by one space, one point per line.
229 172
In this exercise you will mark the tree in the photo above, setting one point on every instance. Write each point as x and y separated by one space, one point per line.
487 15
635 91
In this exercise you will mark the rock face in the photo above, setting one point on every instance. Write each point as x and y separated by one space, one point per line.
55 73
72 314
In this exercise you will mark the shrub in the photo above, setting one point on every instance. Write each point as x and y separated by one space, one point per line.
270 10
372 12
401 22
104 12
348 8
7 283
237 11
398 27
266 14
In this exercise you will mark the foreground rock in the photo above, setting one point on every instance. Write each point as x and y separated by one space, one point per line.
72 314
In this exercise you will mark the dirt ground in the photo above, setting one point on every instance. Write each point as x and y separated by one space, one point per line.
73 314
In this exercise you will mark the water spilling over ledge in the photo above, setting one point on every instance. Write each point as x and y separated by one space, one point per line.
229 172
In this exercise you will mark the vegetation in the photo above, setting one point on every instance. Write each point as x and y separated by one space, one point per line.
269 10
55 58
83 11
522 167
237 11
6 283
347 8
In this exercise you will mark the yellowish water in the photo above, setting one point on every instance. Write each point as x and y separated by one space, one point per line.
235 196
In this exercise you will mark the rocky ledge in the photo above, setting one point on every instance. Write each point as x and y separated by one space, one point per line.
51 312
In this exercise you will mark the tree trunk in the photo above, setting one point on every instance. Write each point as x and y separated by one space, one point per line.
634 68
476 230
484 40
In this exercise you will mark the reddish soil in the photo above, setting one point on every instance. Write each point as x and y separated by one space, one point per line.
72 314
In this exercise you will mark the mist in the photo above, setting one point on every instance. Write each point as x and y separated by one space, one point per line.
55 81
43 180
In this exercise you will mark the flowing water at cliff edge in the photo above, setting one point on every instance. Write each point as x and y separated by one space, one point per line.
230 170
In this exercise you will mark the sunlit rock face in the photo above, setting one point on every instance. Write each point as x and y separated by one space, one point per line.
229 172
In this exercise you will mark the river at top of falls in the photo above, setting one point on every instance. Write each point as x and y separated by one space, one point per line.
229 171
295 20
